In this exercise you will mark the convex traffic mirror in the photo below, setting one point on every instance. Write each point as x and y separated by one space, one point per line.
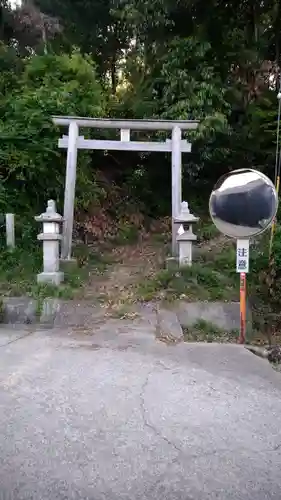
243 203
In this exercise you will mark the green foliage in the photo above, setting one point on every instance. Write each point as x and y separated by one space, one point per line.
32 167
96 27
205 230
19 268
277 250
181 84
205 331
191 89
208 282
10 68
218 62
272 279
168 60
127 234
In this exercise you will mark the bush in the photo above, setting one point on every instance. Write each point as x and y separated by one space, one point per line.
273 279
32 167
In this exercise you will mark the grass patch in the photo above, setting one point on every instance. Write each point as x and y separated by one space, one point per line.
206 230
128 234
223 259
205 331
87 257
19 269
123 311
198 282
211 277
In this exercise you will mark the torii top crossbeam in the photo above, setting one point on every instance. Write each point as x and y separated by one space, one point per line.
126 124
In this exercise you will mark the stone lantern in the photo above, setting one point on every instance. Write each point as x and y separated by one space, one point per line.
51 240
185 237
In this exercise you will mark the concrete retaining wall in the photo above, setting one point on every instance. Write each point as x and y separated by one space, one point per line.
58 313
221 314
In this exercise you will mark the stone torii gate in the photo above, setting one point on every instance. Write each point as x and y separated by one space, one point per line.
73 141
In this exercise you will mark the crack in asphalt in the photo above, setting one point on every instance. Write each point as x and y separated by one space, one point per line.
164 438
144 416
28 334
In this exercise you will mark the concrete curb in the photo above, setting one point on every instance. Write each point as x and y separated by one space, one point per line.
49 312
27 311
168 328
56 313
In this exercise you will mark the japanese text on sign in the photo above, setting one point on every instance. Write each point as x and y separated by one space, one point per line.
242 256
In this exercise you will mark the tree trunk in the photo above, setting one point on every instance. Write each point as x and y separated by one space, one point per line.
113 74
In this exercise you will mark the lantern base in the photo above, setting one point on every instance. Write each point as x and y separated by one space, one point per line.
55 278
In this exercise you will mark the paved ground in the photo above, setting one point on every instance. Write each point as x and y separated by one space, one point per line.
119 416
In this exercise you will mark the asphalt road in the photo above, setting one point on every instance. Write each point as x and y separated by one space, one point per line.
121 417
